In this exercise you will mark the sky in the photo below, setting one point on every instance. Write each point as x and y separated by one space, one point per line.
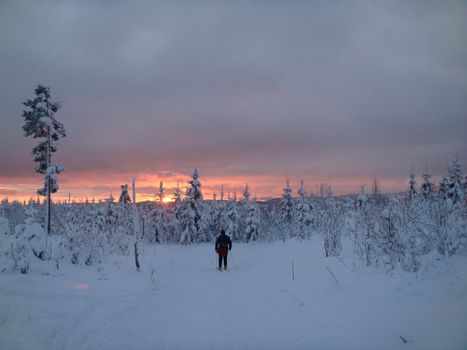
337 92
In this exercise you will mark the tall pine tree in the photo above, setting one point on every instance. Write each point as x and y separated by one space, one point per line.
40 122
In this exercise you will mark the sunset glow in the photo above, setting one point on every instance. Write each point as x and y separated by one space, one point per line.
147 185
233 174
245 95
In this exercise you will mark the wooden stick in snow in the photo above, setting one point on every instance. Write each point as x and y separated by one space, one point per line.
136 257
293 272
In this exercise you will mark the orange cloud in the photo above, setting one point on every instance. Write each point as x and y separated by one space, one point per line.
99 185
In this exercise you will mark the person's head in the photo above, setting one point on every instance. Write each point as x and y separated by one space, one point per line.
222 232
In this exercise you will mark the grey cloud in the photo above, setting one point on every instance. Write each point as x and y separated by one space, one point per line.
350 88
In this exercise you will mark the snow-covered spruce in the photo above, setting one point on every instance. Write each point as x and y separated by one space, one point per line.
391 231
40 122
304 215
287 210
191 212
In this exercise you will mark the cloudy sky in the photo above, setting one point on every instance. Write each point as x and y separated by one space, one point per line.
248 91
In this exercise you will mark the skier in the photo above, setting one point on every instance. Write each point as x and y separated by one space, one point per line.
223 245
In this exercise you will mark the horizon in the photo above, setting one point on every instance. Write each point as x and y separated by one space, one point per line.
148 193
335 93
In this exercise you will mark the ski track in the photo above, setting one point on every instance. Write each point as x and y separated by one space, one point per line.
188 304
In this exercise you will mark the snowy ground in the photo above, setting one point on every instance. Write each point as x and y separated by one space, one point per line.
180 301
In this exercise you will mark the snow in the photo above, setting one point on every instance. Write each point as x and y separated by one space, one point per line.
52 170
180 301
46 120
41 104
4 226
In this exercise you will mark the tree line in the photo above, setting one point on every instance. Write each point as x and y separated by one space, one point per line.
389 230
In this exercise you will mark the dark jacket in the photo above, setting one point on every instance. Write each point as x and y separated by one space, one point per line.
223 242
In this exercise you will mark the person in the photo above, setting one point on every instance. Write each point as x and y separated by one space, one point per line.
223 245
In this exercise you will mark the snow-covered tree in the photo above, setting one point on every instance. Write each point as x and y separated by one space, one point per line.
287 208
232 219
222 193
174 219
376 192
159 217
415 237
187 223
246 194
450 212
392 232
40 122
412 190
303 212
96 230
387 234
427 189
362 198
95 234
124 195
190 216
252 221
455 189
133 192
364 230
194 190
136 225
161 194
111 215
5 234
332 225
221 211
177 194
4 223
243 208
443 188
30 242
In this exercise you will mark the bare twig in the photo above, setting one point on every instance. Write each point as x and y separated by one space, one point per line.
332 274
